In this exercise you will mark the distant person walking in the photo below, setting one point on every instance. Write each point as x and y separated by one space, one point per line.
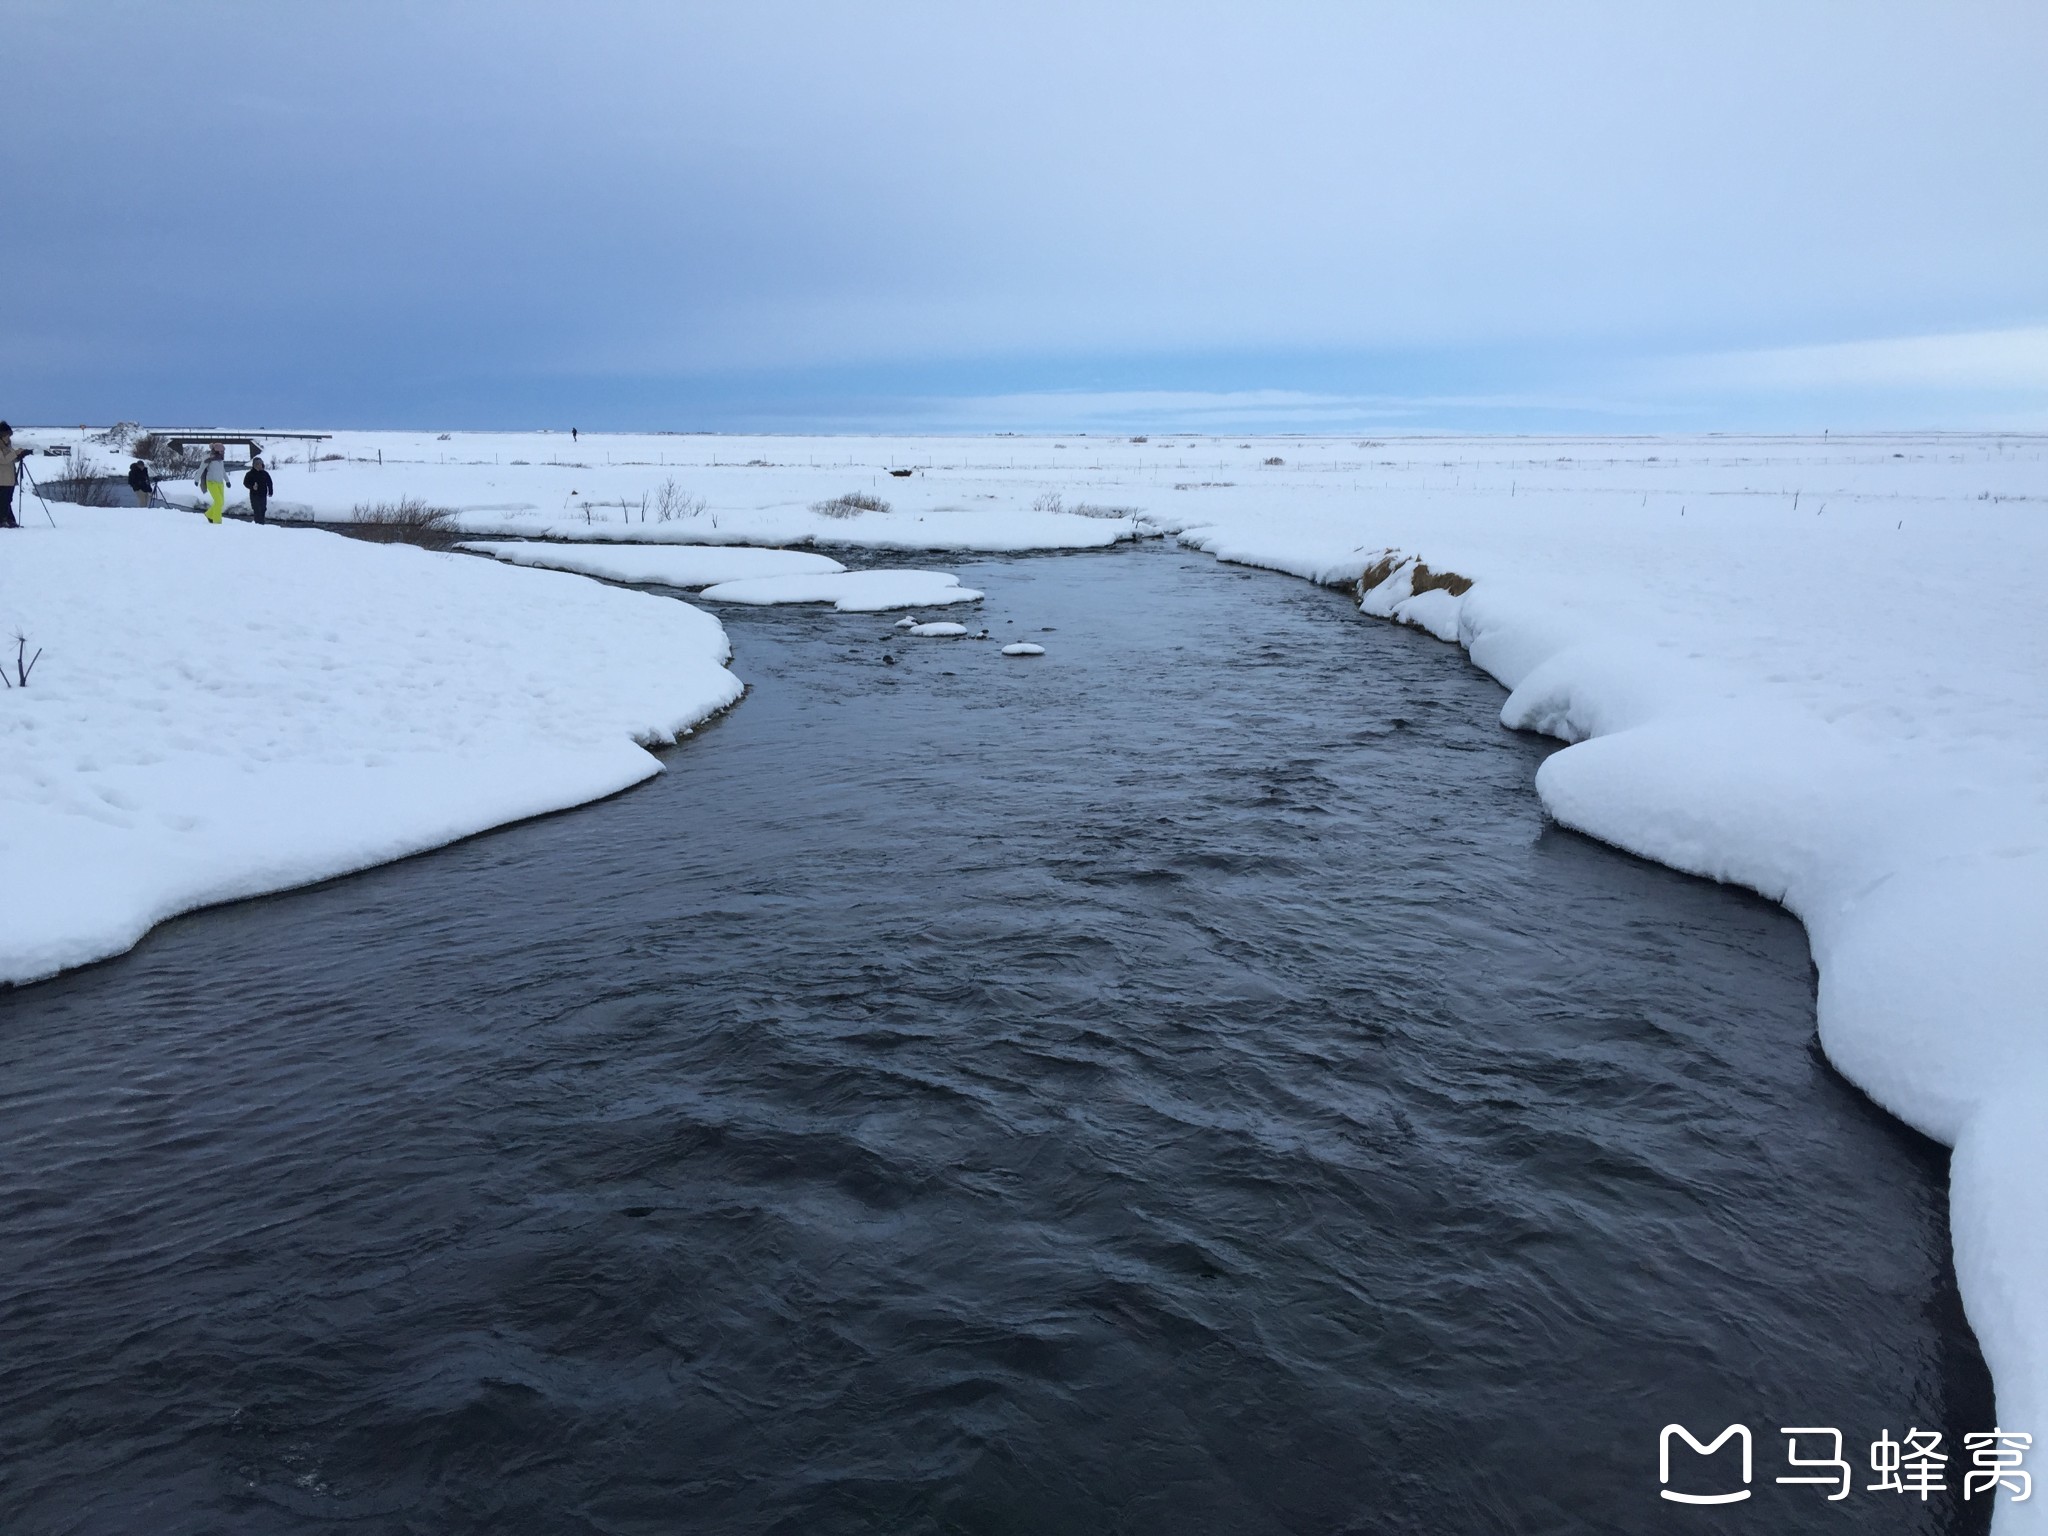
213 480
257 484
10 456
572 435
139 481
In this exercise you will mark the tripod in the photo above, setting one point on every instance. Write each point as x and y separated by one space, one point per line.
23 467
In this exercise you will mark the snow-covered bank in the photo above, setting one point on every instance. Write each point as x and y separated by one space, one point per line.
738 574
660 565
990 530
223 712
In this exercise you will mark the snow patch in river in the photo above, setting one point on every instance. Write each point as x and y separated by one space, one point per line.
665 565
849 591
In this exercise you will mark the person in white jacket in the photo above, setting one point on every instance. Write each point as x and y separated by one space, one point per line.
10 456
213 480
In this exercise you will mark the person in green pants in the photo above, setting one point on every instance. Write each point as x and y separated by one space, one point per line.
214 481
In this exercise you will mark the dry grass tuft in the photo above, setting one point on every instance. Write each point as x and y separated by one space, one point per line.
1379 571
83 482
1051 502
852 504
1427 580
1423 579
164 460
408 520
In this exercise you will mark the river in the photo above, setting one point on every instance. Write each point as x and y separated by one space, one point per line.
1177 1084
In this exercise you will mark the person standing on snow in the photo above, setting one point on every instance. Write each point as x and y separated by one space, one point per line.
9 457
257 484
213 480
139 481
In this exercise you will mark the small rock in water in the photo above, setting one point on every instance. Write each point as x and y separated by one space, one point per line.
1023 648
938 629
888 659
906 621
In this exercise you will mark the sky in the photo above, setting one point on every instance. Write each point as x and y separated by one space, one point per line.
1439 215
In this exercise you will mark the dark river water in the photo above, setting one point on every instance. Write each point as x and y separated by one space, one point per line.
1178 1084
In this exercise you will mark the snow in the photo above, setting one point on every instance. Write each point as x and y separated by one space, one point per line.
1811 666
665 565
849 591
1023 648
224 712
981 530
965 495
937 629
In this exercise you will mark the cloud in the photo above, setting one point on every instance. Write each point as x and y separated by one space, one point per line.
2014 360
518 207
1250 410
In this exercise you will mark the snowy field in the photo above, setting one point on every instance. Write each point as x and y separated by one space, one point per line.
1810 666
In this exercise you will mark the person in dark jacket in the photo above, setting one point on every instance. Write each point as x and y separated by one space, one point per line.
139 481
257 483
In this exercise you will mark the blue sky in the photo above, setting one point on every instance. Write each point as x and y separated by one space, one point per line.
959 216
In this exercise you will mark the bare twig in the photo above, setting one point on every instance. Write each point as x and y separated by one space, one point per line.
22 668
